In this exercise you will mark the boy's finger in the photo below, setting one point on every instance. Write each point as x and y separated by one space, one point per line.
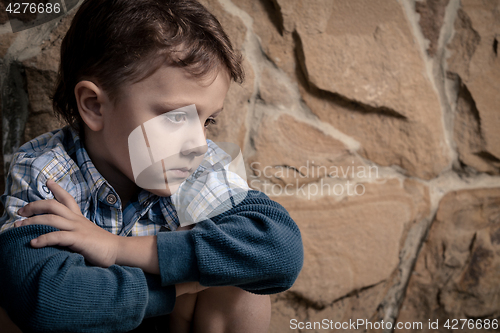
50 220
59 238
49 206
63 197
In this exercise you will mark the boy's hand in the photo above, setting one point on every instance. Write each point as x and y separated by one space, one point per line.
97 245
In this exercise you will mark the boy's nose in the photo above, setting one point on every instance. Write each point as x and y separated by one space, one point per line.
195 142
196 151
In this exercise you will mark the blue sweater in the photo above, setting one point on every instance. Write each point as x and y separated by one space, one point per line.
255 246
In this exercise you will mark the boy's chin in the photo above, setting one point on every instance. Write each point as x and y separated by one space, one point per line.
166 192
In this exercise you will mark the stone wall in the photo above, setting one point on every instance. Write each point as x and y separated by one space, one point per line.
375 123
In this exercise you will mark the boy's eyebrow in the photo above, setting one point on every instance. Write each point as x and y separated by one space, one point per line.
166 107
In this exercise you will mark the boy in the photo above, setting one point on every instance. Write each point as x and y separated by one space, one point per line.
125 63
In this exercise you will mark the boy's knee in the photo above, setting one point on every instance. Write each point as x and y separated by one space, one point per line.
244 301
237 299
231 309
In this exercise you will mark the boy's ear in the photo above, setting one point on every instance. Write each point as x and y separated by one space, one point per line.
91 101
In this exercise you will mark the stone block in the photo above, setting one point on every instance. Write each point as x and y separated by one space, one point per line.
456 274
289 151
354 243
474 59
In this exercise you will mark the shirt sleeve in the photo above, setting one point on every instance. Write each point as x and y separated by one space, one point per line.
20 188
254 245
53 290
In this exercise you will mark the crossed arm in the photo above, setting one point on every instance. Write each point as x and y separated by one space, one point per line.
98 246
255 246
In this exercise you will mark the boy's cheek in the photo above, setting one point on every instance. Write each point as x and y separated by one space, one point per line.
157 159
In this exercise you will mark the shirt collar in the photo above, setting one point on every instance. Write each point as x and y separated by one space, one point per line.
145 198
99 187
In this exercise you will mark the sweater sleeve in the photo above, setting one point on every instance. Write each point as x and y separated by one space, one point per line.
254 245
54 290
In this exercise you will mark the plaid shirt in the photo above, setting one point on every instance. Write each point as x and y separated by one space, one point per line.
60 155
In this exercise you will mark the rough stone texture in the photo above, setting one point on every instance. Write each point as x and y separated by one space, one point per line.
40 123
369 69
275 39
40 86
30 74
362 73
272 90
456 275
14 107
387 140
431 20
359 304
474 59
6 40
41 76
292 152
3 13
337 60
23 16
408 88
355 243
233 26
231 123
470 142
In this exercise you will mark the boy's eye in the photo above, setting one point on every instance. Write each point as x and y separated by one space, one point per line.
210 121
176 117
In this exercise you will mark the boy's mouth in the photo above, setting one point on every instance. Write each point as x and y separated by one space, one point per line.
179 172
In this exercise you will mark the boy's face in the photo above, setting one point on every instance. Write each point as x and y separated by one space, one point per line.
155 133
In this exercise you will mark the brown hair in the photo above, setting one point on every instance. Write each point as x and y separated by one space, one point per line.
117 41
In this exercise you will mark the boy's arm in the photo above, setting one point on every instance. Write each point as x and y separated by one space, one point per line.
249 240
36 284
255 246
50 289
